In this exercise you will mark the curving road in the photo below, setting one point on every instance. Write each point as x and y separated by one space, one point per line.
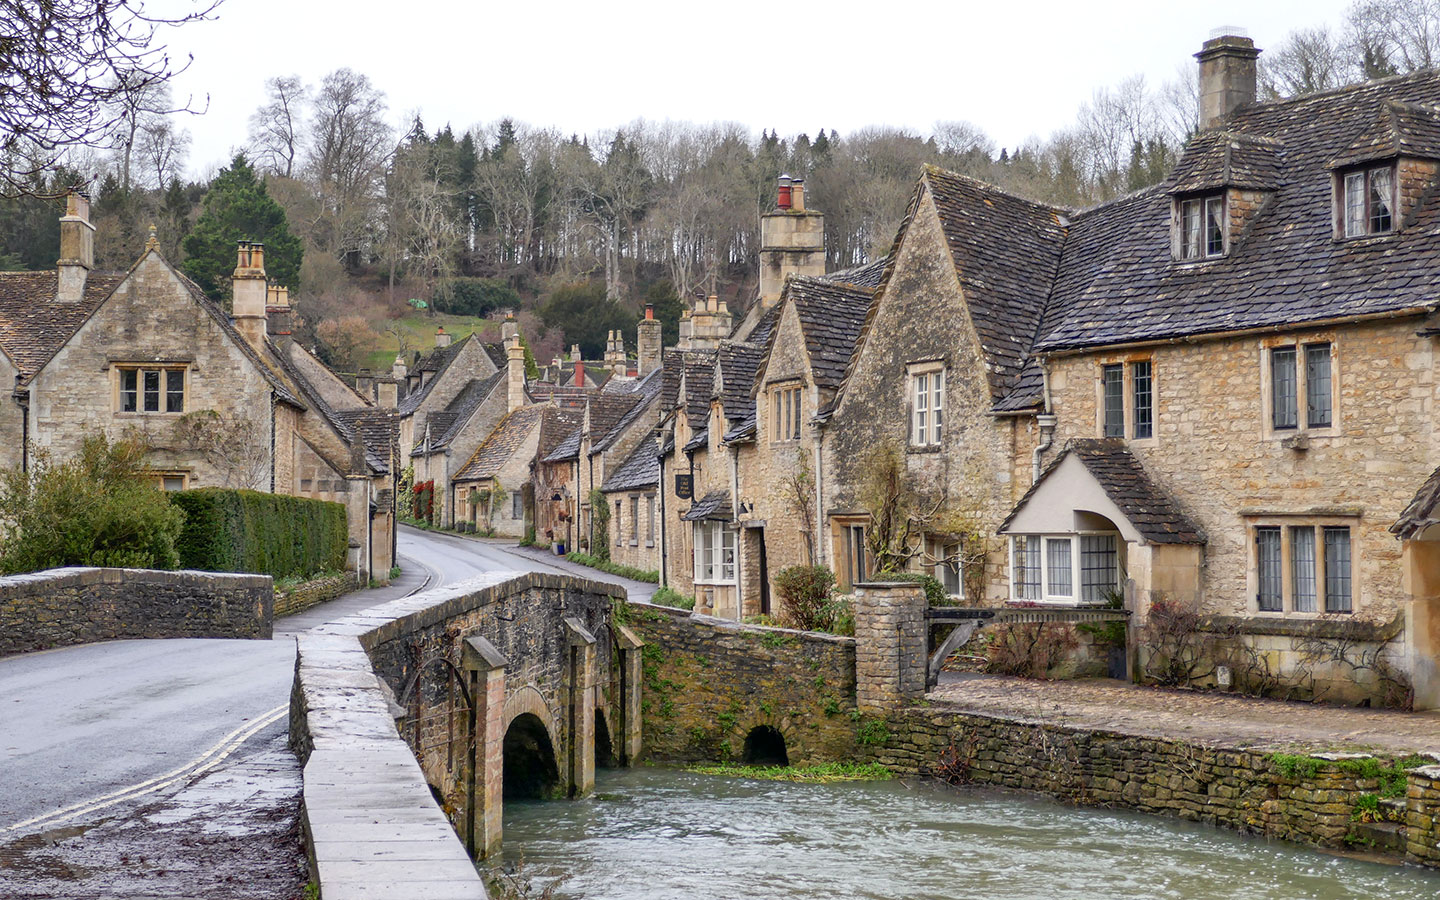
88 731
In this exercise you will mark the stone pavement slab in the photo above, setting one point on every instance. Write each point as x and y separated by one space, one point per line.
1210 718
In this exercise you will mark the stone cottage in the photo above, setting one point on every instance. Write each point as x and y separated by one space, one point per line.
224 400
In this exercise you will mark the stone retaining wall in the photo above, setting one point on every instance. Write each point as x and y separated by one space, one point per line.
60 607
312 593
1235 788
709 681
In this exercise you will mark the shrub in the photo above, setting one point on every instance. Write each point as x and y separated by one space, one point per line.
97 509
475 297
1029 649
806 597
934 591
600 525
668 596
271 534
605 565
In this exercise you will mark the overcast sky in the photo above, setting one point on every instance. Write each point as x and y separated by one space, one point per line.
1016 69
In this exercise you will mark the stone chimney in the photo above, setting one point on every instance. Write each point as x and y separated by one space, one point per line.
579 372
398 369
387 393
514 373
710 323
686 330
249 292
648 343
574 352
615 359
557 365
277 314
792 241
508 327
1227 75
441 338
77 248
365 384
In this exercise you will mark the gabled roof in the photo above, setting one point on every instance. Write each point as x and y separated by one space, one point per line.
557 424
645 391
832 314
738 364
1225 159
641 469
501 444
1419 513
1399 129
1151 511
378 431
436 361
714 505
445 424
34 325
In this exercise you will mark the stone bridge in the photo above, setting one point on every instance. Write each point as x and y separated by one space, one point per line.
513 686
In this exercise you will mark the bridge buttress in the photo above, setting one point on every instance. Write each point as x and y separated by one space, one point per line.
485 666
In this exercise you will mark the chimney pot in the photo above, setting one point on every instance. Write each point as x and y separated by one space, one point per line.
649 310
579 372
797 195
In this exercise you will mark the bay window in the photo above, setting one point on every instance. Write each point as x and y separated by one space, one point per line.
714 552
1083 568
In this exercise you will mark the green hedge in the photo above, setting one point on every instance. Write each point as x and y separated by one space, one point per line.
269 534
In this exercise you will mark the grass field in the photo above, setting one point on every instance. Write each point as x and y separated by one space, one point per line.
419 334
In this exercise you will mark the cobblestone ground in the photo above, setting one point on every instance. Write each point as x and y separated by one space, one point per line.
231 834
1208 718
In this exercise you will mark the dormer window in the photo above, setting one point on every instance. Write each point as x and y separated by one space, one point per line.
1369 201
1202 228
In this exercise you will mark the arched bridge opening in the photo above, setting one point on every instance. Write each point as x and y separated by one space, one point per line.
530 770
765 746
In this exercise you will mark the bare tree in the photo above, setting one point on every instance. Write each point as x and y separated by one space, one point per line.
350 145
1404 34
275 135
162 148
68 71
1307 61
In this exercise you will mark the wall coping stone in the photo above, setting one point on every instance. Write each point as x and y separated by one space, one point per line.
742 627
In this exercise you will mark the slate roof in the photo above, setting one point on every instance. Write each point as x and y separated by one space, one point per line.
867 276
557 423
34 325
1399 129
436 361
698 440
714 505
832 314
1154 514
641 469
379 433
501 444
645 391
1419 513
738 364
496 352
1219 159
567 448
445 424
1287 268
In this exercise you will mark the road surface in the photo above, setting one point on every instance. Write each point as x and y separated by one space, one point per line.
87 730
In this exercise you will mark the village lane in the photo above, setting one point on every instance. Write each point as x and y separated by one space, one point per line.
87 731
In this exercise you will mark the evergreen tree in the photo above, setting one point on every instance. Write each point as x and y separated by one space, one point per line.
238 208
668 309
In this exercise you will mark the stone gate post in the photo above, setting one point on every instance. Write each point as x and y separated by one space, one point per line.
485 666
582 708
889 644
629 645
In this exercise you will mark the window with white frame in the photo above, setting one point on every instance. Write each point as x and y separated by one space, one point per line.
787 405
714 552
943 559
1127 399
151 389
1368 201
1302 386
1085 568
171 481
852 554
1201 225
1303 568
634 520
927 405
650 520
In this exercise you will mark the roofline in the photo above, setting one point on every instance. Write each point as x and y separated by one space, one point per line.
1205 336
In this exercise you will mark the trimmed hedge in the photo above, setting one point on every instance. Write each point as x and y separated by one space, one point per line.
268 534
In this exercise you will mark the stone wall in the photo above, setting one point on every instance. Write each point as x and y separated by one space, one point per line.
708 682
890 657
61 607
312 593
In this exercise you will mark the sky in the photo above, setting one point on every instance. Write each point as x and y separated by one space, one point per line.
1015 69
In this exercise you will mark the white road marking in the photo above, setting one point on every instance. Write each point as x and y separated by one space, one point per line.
201 764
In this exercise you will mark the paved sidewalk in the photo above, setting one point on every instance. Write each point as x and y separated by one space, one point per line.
1207 718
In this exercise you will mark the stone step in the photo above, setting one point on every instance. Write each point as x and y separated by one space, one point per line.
1382 837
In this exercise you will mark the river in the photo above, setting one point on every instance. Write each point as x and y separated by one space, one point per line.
666 834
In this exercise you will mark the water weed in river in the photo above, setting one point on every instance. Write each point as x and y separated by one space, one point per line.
825 773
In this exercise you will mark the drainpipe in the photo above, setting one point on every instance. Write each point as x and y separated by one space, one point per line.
660 491
23 400
1046 421
818 557
735 523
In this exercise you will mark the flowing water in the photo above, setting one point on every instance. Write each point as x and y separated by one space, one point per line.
666 834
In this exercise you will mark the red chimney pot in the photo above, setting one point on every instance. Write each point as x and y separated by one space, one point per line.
649 311
579 373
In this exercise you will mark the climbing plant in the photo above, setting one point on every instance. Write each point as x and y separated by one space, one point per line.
599 526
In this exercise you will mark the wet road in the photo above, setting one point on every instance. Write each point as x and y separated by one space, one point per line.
92 728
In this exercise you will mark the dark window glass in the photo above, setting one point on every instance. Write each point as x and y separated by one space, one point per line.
1337 570
1215 227
151 381
1317 385
1267 555
129 394
174 391
1027 567
1302 565
1098 567
1113 379
1382 198
1144 399
1282 383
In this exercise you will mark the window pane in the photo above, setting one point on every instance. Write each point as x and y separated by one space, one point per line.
727 558
798 395
172 483
151 381
1317 385
1190 229
129 395
1214 226
1382 198
1143 400
1267 557
174 391
1337 570
634 520
948 568
650 518
1027 567
1355 204
1057 566
1113 379
1282 383
1302 564
937 406
922 398
1098 570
